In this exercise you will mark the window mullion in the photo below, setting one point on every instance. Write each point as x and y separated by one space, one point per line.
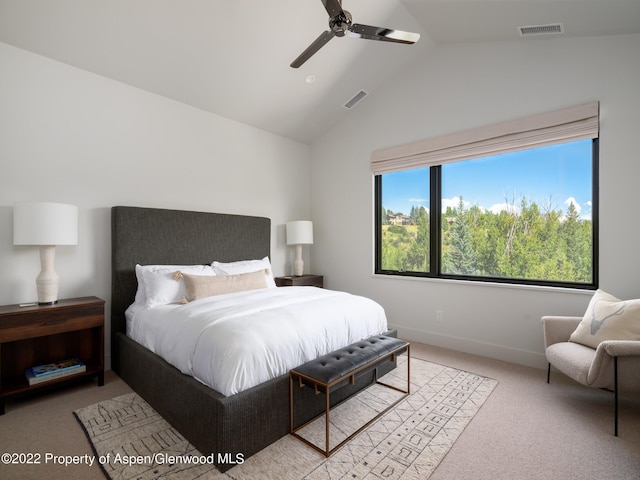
378 223
595 211
435 219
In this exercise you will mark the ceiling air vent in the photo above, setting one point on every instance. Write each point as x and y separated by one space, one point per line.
551 29
355 99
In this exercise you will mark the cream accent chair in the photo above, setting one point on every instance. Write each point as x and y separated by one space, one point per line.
614 365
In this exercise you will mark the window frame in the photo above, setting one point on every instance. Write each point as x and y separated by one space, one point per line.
435 224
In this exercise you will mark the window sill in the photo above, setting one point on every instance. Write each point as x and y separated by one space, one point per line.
539 288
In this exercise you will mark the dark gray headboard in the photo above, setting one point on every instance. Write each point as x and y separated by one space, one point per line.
174 237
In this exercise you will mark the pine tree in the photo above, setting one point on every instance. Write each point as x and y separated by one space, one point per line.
463 256
418 255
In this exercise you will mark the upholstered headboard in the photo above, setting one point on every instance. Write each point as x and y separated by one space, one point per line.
175 237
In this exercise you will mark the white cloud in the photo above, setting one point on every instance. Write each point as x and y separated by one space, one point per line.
584 215
587 215
576 205
504 207
453 203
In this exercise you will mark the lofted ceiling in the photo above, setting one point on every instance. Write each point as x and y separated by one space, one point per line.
231 57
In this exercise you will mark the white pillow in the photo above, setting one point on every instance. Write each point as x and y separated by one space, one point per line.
141 297
608 318
160 286
246 266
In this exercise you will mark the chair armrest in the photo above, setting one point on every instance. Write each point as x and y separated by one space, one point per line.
621 348
558 328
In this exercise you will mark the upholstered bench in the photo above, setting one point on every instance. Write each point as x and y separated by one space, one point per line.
336 369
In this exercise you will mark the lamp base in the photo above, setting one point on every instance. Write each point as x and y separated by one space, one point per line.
298 264
47 280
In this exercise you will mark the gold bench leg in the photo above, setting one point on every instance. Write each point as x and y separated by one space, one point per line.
327 409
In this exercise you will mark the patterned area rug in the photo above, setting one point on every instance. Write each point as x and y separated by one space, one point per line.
132 441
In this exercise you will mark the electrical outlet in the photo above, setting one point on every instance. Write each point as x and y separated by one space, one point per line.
438 315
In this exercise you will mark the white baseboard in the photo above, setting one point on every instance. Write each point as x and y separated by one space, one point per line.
484 349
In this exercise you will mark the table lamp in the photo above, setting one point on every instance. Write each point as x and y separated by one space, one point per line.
46 225
299 233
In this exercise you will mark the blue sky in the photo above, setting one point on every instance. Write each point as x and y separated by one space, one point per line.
555 175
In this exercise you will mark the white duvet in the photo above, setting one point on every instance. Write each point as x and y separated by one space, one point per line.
236 341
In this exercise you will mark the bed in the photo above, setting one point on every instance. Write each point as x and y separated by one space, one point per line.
230 427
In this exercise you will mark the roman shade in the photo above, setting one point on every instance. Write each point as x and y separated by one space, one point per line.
559 126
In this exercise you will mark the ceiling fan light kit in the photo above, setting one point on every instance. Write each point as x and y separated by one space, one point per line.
340 24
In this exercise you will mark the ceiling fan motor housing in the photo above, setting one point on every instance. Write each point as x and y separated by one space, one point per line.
340 24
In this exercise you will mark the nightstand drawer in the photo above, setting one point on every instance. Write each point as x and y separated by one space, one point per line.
40 322
301 281
49 327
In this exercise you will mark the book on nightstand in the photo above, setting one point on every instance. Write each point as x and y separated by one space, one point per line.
51 371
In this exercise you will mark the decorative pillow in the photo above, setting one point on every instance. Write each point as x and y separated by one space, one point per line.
160 286
246 266
200 286
608 318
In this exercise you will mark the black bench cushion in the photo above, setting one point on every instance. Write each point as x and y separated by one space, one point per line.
332 366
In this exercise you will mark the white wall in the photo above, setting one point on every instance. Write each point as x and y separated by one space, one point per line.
459 87
69 136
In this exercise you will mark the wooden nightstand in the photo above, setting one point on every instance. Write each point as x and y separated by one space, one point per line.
40 334
303 280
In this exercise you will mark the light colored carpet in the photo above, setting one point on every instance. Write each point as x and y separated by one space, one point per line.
407 442
527 429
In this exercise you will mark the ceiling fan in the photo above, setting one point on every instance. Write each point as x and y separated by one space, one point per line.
340 24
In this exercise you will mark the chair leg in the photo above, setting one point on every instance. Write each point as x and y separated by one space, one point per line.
548 371
615 394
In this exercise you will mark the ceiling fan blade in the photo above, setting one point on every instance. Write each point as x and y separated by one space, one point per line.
313 48
333 7
383 34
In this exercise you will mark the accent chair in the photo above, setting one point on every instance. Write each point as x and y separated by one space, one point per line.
613 365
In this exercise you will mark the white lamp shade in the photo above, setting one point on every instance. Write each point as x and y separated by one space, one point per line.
300 232
38 223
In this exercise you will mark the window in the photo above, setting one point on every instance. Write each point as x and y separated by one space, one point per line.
526 215
404 221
